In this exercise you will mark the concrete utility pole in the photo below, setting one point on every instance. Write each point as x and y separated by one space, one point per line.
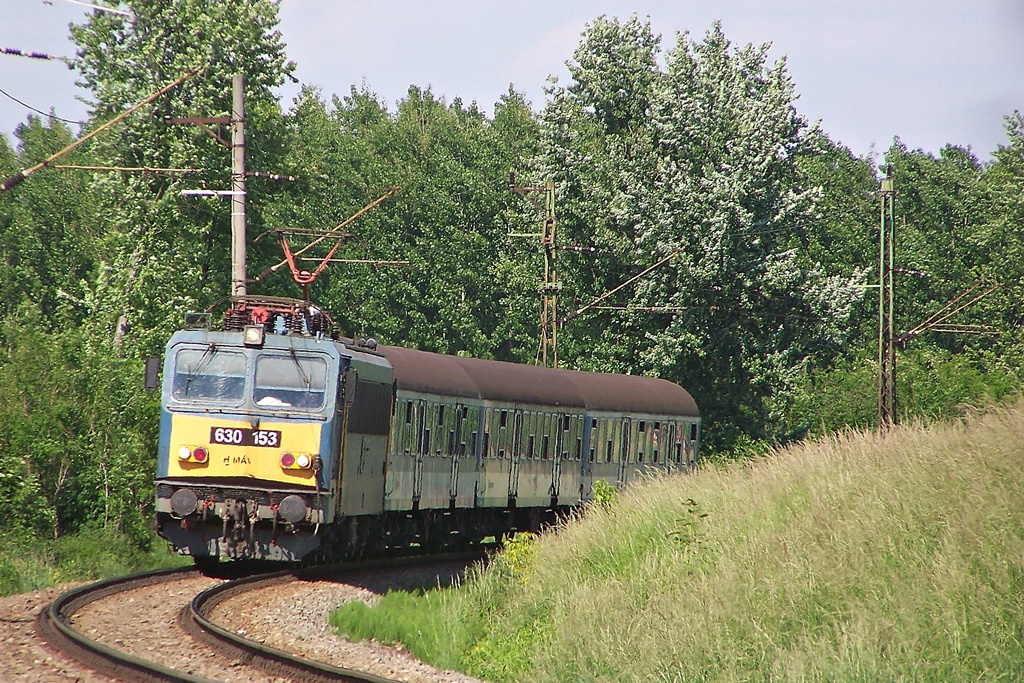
886 313
238 286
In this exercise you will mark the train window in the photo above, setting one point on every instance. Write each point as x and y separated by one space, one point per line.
426 442
565 423
504 419
592 454
530 448
290 381
472 444
408 412
642 427
544 448
693 432
486 445
657 426
501 453
608 454
440 414
208 374
679 452
579 448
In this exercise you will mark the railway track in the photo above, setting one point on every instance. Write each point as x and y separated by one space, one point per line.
212 649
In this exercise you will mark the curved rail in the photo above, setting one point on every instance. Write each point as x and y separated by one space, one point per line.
194 619
54 626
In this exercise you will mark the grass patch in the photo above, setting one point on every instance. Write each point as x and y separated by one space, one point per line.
29 563
858 557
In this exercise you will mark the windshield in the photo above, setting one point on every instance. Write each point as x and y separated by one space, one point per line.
209 375
290 381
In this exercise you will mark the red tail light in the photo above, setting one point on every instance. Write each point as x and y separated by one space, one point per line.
287 460
200 454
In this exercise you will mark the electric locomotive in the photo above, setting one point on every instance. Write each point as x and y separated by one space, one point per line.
280 440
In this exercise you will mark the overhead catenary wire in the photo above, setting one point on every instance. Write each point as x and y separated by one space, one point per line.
612 291
38 111
136 169
20 176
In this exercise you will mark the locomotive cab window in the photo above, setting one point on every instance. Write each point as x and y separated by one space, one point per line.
208 374
290 381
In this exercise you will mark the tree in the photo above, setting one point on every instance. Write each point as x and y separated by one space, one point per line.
697 160
451 164
48 227
163 254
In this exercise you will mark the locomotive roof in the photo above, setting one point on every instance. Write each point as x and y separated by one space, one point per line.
434 373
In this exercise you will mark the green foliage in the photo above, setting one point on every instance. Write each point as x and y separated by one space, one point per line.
31 563
698 159
447 220
161 254
418 620
77 432
518 557
605 494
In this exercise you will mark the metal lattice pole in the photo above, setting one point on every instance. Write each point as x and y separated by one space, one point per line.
549 290
886 312
550 286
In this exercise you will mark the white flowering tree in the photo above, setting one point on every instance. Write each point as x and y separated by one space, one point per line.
698 158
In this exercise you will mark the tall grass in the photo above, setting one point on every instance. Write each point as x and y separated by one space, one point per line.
859 557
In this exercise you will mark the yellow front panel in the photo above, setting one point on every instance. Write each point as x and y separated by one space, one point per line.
256 462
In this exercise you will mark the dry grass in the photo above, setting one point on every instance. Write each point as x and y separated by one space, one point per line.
857 557
860 557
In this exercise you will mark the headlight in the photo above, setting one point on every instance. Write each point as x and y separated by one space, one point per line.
196 454
296 461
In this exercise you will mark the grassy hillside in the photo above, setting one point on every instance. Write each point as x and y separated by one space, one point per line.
860 557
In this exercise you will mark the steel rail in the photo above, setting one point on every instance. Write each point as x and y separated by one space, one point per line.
195 619
54 626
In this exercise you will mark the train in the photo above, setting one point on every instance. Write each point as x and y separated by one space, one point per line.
282 440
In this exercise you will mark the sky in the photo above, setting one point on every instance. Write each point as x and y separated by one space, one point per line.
929 71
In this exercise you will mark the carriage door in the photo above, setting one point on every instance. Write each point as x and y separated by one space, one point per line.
627 438
556 461
455 449
422 446
589 455
516 448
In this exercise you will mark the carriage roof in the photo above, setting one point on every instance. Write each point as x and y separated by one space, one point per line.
490 380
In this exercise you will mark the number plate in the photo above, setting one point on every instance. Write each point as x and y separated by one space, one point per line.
239 436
